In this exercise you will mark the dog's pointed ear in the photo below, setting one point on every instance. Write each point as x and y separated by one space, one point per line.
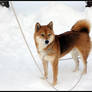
37 26
50 25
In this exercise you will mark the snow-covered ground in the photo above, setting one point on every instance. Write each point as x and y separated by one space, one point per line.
17 69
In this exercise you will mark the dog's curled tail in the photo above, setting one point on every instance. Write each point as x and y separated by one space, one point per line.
81 26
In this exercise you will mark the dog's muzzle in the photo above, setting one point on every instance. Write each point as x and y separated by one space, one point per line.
46 42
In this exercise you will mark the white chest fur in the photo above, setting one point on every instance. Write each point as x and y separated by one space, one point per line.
45 57
43 54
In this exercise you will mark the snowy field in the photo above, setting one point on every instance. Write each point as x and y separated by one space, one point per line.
17 69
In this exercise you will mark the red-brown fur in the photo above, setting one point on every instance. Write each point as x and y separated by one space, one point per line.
62 44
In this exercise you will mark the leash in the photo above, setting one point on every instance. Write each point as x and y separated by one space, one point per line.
32 54
71 89
28 45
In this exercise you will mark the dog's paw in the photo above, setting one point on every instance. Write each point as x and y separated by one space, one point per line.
44 78
84 72
75 70
54 83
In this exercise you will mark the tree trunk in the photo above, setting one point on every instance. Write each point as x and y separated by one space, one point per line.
5 3
89 4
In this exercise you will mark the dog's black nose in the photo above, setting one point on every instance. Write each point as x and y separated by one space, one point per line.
46 42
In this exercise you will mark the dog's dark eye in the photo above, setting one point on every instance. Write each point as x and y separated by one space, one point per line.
49 34
42 35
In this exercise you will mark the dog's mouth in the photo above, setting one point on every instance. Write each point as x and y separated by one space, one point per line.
44 42
50 40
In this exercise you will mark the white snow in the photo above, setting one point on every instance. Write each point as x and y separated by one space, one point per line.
17 68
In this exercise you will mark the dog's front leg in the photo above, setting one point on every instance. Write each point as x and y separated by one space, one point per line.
55 72
45 66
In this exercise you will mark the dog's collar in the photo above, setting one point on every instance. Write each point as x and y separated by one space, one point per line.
50 48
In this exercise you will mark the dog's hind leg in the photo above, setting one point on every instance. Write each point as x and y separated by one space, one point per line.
84 55
76 60
84 59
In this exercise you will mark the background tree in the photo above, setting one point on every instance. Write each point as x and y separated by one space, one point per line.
89 3
5 3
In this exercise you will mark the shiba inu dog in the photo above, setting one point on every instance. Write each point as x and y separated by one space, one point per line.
51 47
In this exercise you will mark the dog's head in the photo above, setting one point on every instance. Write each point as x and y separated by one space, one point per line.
44 33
